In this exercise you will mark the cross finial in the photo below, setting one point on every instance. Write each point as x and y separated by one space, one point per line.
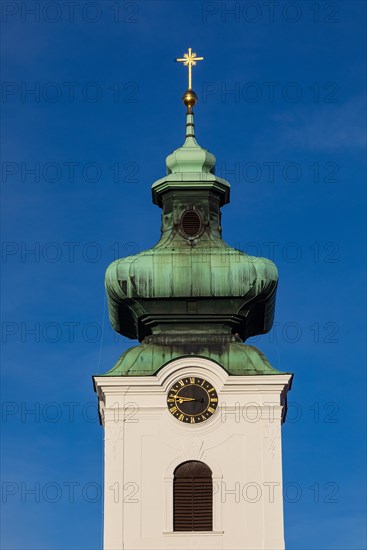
189 60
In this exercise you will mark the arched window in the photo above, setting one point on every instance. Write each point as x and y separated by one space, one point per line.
192 497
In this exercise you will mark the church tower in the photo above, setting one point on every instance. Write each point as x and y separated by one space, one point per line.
192 416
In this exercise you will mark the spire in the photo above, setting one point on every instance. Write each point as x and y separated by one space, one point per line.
190 158
190 99
191 284
190 167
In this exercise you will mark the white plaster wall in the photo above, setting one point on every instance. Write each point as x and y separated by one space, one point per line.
241 443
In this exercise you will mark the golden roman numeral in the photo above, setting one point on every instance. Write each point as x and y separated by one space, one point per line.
192 420
181 417
173 409
181 382
192 380
211 389
210 409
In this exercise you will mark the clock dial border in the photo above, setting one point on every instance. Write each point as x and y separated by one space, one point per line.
179 398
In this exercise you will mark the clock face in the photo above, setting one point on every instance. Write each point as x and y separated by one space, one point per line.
192 400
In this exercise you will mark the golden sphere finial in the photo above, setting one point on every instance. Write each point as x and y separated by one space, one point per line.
190 99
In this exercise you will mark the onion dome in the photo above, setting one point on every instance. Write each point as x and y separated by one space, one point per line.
190 158
191 283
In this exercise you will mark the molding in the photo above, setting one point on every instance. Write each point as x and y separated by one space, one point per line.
186 534
194 365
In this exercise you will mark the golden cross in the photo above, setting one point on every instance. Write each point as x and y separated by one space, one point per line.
189 60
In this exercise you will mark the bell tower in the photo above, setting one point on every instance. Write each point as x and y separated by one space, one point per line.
192 416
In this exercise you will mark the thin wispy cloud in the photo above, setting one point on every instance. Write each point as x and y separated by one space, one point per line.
340 126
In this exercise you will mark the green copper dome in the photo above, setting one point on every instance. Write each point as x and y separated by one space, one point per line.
236 358
191 293
190 158
175 286
190 168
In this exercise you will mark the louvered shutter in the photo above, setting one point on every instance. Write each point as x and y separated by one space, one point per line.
191 223
193 497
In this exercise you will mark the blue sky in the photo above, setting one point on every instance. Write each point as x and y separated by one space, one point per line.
282 106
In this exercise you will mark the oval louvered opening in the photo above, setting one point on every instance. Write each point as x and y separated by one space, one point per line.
191 223
193 497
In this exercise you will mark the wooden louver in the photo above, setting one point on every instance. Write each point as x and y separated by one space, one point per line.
193 497
191 223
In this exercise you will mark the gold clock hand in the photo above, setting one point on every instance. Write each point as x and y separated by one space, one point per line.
182 399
